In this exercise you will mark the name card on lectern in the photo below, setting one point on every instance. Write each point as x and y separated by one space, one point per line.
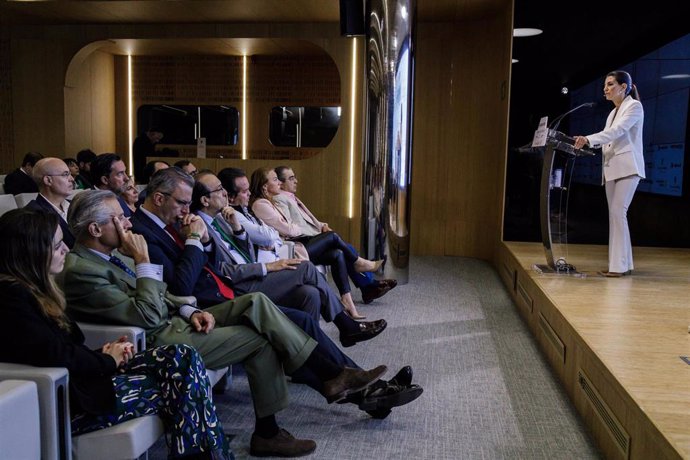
539 139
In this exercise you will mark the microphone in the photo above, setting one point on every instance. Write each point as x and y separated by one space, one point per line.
557 121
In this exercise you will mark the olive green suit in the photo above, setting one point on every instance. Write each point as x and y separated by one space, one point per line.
249 329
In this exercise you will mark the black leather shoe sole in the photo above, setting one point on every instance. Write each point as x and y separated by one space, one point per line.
389 401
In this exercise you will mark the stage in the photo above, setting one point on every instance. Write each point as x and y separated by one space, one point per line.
620 346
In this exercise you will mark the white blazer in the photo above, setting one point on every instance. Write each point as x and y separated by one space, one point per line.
621 141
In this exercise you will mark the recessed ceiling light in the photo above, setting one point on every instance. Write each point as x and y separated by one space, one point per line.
677 76
526 32
515 61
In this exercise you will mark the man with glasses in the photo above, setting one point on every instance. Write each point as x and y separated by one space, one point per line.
55 184
288 282
108 172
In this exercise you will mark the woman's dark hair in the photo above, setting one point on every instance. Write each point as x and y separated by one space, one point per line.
257 182
26 252
70 162
621 76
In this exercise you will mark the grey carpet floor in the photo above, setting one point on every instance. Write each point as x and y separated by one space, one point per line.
488 392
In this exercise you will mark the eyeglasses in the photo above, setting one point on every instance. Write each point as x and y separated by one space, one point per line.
62 174
219 189
184 204
193 172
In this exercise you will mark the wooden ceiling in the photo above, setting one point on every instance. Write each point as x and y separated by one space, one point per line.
234 11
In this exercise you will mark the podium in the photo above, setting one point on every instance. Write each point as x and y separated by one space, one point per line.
559 158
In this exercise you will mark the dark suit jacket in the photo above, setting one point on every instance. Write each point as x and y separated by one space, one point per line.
41 204
225 263
31 338
18 182
183 270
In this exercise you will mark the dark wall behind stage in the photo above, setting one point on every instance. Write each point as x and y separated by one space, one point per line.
575 49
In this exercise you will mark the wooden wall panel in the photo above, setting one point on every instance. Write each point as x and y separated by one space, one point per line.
460 133
459 127
90 106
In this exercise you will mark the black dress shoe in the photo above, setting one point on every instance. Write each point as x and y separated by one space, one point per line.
367 330
374 291
403 377
378 400
281 445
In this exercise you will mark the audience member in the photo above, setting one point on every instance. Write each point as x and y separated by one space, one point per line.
266 239
108 172
73 170
187 166
131 196
326 248
84 159
20 180
145 146
55 184
106 386
290 205
289 282
100 286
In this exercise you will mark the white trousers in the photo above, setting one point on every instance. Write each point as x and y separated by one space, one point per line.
619 194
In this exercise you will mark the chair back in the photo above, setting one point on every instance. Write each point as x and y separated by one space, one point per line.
23 199
7 203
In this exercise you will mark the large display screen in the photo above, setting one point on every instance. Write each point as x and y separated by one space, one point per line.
663 81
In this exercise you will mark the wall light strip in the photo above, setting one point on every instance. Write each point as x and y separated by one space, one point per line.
244 107
353 120
130 123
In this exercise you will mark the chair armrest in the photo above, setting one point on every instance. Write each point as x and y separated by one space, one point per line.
99 334
287 250
53 400
19 420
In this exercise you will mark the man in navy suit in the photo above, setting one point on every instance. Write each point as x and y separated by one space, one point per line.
55 184
289 282
20 180
108 172
180 241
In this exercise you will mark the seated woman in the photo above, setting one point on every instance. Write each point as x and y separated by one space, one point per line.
110 385
325 248
131 196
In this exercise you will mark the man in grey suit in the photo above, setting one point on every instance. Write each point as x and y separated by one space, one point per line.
288 282
102 287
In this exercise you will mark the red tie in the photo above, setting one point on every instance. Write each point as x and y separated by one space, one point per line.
223 288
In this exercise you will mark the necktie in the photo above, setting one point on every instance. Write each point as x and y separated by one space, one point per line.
121 265
230 241
223 288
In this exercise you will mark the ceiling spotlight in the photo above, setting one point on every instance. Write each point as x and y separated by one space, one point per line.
515 61
526 32
564 90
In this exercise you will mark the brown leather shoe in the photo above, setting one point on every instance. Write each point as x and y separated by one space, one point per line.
377 289
281 445
349 381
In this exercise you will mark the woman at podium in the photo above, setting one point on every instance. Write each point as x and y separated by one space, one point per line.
623 164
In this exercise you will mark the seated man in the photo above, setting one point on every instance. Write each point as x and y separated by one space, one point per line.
20 180
108 172
118 291
187 251
187 166
84 159
288 282
55 183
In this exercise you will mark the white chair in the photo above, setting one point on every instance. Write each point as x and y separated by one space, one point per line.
74 192
128 440
2 188
19 420
7 203
23 199
141 187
